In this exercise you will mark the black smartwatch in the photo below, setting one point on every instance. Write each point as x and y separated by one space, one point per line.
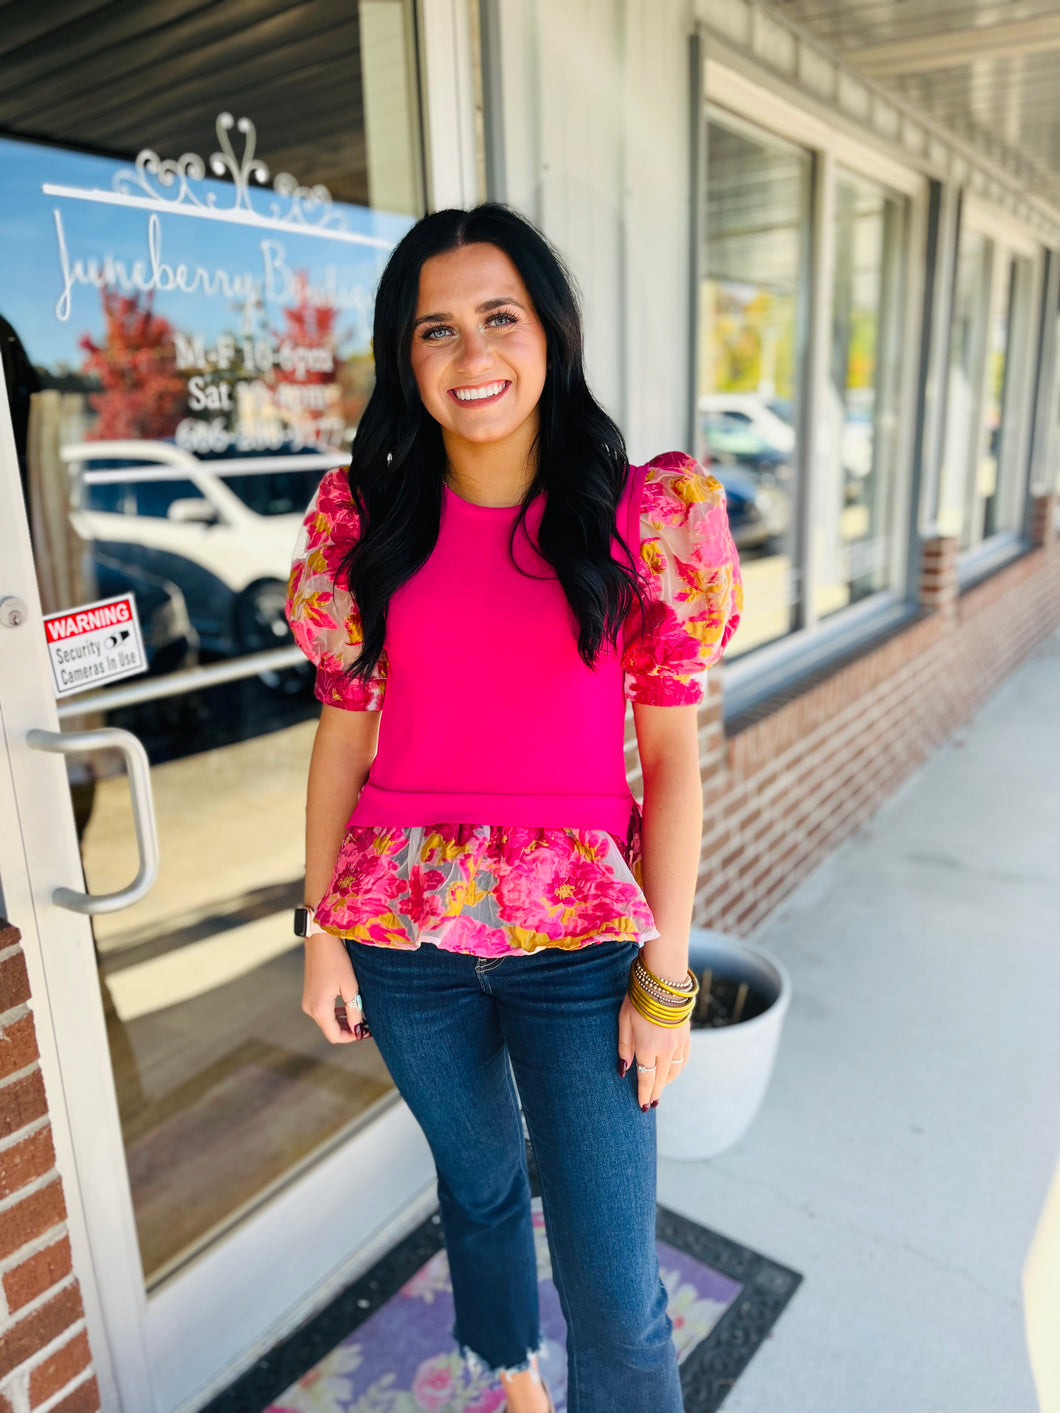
304 920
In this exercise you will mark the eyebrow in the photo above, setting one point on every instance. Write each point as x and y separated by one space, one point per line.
483 308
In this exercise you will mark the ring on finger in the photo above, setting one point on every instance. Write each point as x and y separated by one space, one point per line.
354 1001
645 1069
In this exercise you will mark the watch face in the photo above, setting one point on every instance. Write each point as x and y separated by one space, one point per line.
301 918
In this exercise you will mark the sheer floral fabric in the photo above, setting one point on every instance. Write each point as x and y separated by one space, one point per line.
487 889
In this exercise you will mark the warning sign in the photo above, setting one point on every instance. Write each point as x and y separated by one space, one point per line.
94 644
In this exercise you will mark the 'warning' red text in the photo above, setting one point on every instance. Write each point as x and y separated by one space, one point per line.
87 620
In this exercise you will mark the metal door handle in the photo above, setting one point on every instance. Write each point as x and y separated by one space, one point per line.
138 768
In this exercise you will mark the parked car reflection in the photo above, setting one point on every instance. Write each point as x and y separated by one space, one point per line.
768 421
220 528
758 514
170 640
734 443
757 434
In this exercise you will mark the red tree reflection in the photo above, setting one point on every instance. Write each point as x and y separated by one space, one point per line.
307 325
305 376
143 394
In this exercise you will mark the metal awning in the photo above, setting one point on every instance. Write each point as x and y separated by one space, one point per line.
113 78
987 69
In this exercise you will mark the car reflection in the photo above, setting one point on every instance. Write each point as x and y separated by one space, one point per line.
220 528
758 514
753 434
749 449
170 640
767 422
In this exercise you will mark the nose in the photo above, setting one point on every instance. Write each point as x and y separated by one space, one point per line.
476 356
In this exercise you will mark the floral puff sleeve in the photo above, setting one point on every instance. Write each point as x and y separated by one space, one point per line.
322 614
690 571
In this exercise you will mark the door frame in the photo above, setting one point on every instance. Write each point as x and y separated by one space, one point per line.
142 1344
27 700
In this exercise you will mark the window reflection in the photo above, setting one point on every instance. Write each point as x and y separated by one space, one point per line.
981 478
971 293
994 506
751 320
857 469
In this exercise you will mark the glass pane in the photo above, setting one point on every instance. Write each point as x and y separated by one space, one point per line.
994 505
855 490
967 337
750 344
223 1084
188 357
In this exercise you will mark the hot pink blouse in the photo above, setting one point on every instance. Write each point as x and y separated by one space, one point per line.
496 816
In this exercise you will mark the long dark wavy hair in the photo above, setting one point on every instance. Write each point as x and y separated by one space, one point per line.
398 460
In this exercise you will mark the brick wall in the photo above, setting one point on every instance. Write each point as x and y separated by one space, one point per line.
45 1364
792 779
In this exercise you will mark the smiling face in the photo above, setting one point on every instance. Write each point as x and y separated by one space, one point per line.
478 348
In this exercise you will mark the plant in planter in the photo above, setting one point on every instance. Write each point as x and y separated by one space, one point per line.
744 996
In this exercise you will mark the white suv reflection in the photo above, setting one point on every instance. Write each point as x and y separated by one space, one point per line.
221 528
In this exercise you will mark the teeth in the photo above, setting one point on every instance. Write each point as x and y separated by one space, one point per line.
473 394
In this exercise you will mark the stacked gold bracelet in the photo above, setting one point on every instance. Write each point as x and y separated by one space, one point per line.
661 1001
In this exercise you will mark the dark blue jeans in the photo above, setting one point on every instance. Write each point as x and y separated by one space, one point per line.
446 1025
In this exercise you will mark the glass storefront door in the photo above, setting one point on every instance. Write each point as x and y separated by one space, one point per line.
186 350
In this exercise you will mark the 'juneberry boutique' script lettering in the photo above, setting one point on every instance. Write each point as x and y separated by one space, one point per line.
276 283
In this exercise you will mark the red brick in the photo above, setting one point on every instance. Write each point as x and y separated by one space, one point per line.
31 1334
18 1046
14 982
21 1102
59 1369
33 1277
24 1161
84 1399
32 1217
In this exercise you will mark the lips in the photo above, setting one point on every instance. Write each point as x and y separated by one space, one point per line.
479 401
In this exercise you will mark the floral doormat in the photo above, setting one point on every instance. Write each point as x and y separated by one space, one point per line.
385 1344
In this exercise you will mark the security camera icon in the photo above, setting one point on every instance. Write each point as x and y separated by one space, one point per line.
116 638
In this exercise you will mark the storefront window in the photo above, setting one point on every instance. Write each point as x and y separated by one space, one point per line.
971 294
752 306
992 505
190 259
982 469
856 468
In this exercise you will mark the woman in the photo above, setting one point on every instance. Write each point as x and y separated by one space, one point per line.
481 882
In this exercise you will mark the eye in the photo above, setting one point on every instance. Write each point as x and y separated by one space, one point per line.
505 314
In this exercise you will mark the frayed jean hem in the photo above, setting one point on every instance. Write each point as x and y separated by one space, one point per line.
477 1365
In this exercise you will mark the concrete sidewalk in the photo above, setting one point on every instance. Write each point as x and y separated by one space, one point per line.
905 1149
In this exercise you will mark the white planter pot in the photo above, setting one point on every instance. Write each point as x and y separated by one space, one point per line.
721 1086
